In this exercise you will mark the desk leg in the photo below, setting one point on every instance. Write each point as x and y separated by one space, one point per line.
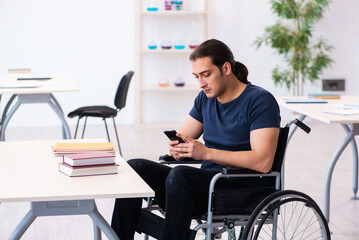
70 207
355 163
56 103
96 232
58 111
7 106
4 113
23 225
103 225
54 100
349 138
7 119
33 98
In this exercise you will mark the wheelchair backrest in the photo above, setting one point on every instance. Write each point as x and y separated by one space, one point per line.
281 146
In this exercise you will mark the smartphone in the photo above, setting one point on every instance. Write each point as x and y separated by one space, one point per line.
171 134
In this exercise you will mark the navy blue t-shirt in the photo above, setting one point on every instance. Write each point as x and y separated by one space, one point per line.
227 126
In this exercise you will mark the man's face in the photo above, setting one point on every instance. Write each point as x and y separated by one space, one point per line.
208 76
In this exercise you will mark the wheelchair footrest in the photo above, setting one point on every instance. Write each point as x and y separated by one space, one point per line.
152 224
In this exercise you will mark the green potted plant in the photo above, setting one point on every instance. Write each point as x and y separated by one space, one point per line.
291 37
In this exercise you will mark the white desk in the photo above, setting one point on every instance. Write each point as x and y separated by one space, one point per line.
350 123
30 94
29 172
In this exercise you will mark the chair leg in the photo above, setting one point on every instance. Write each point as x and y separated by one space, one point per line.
83 130
77 127
118 141
108 135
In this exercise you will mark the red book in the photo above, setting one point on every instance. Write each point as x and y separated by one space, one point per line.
93 158
88 170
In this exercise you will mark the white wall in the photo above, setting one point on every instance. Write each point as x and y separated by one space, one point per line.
93 41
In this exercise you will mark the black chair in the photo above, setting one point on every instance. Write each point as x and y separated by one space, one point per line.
105 111
250 213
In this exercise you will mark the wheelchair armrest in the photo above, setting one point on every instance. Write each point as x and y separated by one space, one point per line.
233 170
168 159
244 172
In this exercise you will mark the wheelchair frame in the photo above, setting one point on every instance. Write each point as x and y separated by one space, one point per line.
216 225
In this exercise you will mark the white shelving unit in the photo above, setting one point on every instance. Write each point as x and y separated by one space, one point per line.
155 104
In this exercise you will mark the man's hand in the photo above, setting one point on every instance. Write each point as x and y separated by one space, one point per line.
192 148
173 151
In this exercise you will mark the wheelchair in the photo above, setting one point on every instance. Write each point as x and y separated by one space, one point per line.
253 213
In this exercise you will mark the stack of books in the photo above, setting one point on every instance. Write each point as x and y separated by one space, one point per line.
86 159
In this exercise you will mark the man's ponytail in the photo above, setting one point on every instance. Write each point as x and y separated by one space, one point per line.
240 71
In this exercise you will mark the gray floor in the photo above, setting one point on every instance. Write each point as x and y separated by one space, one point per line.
306 161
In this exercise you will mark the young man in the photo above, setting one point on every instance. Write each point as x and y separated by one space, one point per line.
240 126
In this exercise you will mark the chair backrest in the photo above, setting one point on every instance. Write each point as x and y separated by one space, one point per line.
121 94
281 146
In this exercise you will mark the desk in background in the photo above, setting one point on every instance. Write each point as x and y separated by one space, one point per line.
350 123
29 172
32 91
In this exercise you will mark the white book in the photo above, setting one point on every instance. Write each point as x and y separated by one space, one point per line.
343 111
88 170
89 158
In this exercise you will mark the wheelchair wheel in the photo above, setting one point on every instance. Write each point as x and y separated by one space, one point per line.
287 215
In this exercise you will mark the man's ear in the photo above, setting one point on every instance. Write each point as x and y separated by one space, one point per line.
226 68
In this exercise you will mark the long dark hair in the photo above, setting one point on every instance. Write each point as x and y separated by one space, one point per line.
219 54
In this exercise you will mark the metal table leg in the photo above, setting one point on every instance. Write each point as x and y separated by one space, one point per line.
54 100
96 231
7 119
355 163
33 98
23 225
4 113
65 127
7 106
71 207
103 225
349 138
